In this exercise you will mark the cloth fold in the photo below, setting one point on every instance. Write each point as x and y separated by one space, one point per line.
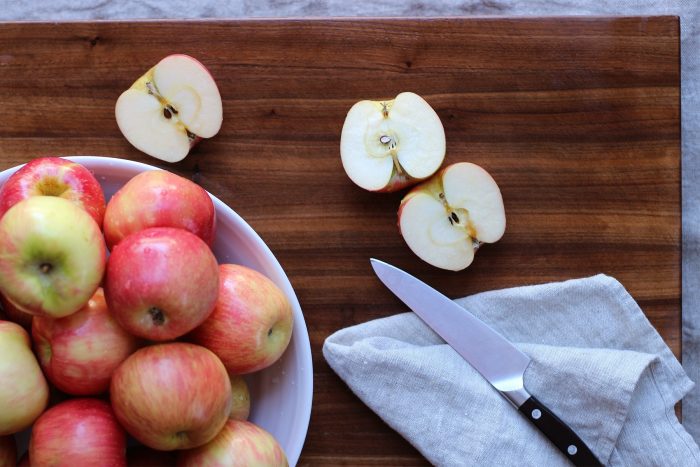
597 363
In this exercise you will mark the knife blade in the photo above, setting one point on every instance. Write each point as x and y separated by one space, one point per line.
492 355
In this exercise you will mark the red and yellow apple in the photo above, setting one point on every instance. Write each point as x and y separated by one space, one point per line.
388 145
52 256
80 352
157 198
24 392
251 324
444 220
172 396
54 176
78 432
238 444
161 283
170 108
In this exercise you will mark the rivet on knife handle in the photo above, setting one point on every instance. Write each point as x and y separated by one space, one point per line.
559 433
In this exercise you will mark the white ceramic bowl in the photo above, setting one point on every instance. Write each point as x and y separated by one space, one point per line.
281 394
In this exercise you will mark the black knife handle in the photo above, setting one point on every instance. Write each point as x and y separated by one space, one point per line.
558 433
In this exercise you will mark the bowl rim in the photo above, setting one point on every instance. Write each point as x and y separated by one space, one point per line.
301 331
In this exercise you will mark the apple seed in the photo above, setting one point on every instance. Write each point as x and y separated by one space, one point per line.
166 113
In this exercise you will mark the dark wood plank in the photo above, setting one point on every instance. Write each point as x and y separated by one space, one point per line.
577 120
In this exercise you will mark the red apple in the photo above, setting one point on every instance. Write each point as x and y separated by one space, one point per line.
143 456
157 198
80 352
54 176
171 396
239 444
52 256
161 283
14 314
8 451
24 392
78 432
251 324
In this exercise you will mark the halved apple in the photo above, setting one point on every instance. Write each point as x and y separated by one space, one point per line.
388 145
445 219
170 108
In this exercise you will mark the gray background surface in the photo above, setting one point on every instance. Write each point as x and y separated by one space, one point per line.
688 10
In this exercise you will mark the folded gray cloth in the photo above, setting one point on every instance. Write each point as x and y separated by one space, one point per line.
596 362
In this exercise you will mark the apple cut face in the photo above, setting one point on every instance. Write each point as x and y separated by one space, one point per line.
447 218
171 107
388 145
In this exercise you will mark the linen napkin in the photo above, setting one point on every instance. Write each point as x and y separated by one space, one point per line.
597 363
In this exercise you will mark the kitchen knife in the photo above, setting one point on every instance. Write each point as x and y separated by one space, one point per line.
494 357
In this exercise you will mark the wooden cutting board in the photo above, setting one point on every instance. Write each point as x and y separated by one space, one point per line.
576 119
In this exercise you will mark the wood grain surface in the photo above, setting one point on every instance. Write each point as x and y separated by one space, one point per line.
576 119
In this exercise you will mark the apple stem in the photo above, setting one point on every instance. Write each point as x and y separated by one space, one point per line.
385 110
45 268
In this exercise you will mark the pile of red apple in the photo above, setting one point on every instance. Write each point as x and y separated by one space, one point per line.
389 145
151 340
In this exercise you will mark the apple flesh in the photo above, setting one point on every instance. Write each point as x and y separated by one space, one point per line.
78 432
157 198
388 145
240 408
8 451
251 324
80 352
24 392
239 444
172 106
445 219
172 396
52 256
54 176
161 283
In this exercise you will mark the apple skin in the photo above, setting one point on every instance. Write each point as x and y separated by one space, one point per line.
8 451
172 396
24 392
51 232
157 198
14 314
240 408
251 324
161 283
239 444
77 432
54 176
80 352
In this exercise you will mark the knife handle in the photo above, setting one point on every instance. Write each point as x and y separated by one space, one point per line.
558 432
